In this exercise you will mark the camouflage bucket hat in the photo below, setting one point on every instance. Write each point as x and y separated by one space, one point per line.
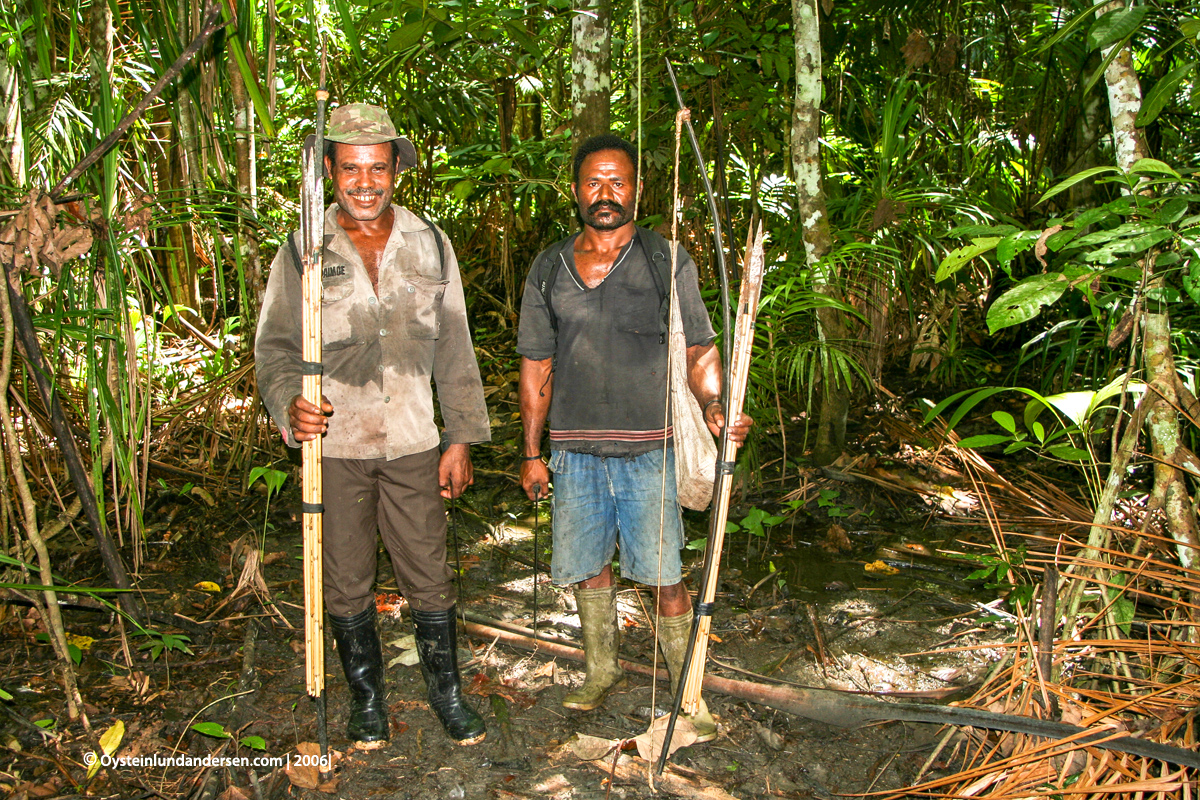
360 123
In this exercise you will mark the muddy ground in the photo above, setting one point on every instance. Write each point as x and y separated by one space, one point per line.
796 604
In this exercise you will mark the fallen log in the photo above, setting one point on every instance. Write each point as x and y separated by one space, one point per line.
849 710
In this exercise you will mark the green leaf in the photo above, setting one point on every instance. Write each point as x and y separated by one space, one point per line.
1078 177
1152 166
983 440
1068 452
1191 279
499 165
5 695
1005 420
1120 608
1162 93
1039 430
1011 245
1114 26
407 36
1066 30
956 258
462 190
75 653
1024 301
707 70
214 729
253 742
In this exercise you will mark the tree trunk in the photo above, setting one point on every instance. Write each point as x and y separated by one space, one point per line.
1160 401
591 81
100 64
12 134
810 210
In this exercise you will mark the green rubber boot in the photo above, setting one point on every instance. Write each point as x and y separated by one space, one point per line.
673 635
601 638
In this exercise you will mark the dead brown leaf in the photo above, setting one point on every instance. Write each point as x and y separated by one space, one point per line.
307 776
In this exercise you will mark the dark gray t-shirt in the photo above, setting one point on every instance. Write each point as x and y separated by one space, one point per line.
610 368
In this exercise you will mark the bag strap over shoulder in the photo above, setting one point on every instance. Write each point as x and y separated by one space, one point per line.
437 237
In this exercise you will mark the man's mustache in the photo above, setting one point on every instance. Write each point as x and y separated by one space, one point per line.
365 192
596 207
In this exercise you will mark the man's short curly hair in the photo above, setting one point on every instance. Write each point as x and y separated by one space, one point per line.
601 142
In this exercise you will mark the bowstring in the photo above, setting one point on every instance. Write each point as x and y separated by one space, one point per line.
662 511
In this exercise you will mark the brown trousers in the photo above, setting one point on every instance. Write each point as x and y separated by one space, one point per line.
400 499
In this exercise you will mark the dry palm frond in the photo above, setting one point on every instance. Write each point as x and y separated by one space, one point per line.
1129 662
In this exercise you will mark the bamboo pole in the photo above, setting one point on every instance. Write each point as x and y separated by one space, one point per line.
312 232
743 345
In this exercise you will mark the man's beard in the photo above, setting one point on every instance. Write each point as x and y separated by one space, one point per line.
623 216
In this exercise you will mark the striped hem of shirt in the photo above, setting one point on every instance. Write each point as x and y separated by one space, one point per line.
611 436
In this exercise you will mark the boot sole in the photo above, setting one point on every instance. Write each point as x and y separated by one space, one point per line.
472 740
599 701
375 745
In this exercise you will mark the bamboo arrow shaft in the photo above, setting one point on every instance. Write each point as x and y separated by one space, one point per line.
740 371
312 231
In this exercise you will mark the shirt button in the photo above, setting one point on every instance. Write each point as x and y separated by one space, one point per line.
380 368
412 289
387 399
383 332
371 301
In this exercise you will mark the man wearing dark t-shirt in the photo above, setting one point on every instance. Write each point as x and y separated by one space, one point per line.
594 362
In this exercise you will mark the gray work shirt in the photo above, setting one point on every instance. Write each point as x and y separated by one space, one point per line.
610 369
382 353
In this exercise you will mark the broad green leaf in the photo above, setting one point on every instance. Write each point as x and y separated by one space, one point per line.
955 259
1190 27
1068 452
5 695
1171 212
1152 166
1162 93
1005 420
253 742
462 190
984 440
497 166
1011 245
1039 430
1058 241
214 729
407 36
1024 301
1078 177
707 70
1115 26
1191 279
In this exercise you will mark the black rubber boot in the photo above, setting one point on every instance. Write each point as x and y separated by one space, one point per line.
362 660
437 645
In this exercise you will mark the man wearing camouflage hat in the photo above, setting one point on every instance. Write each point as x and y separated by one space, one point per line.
394 320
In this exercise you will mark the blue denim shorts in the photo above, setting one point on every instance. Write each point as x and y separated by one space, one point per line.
600 502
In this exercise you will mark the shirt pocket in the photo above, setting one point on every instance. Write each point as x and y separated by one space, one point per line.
422 301
637 311
336 301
